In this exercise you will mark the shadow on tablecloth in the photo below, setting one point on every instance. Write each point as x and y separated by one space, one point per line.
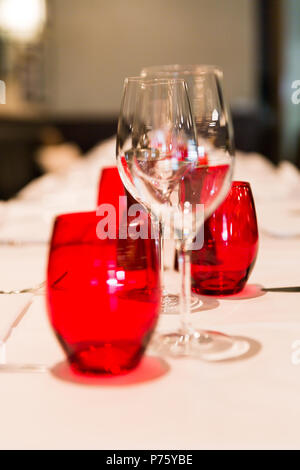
150 368
250 291
244 348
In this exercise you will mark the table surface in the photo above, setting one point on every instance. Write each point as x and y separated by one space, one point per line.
248 402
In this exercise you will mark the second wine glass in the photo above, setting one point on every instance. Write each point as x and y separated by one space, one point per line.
212 117
157 154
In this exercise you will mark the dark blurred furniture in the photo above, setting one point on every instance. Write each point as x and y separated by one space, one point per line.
20 140
255 131
18 143
86 133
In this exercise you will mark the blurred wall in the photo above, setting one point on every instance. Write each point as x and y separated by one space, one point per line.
289 110
94 44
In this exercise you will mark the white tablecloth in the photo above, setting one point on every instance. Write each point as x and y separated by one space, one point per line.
250 402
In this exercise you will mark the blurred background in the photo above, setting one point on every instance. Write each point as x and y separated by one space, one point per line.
63 63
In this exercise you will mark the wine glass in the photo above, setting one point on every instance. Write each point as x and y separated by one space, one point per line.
196 77
157 155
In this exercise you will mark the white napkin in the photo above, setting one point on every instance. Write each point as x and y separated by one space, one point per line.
23 222
276 192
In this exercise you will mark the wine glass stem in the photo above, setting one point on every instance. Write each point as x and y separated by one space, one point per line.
161 243
184 264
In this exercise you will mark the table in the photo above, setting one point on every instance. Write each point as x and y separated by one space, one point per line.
250 402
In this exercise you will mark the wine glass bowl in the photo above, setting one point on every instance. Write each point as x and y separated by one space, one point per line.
214 131
155 123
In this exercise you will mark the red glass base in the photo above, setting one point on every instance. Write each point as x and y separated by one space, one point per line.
228 283
104 358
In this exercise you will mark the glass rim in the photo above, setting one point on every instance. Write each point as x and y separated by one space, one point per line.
107 168
70 215
154 81
239 183
189 69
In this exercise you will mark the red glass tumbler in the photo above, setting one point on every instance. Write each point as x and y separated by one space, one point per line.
103 294
223 265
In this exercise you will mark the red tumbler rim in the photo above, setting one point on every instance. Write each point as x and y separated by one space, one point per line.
237 184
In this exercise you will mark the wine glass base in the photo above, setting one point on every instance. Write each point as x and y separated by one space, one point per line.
205 345
170 303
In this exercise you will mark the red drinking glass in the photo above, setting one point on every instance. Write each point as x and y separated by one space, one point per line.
223 265
110 186
103 295
111 189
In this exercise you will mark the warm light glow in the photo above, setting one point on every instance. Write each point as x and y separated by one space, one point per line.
22 19
215 115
